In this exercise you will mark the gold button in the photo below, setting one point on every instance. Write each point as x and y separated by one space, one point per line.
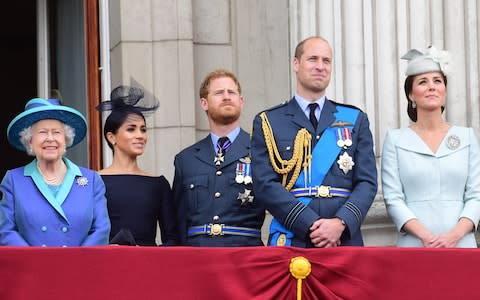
192 185
218 173
318 137
217 195
216 218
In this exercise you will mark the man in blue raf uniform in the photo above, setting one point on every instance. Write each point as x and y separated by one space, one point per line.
312 160
213 178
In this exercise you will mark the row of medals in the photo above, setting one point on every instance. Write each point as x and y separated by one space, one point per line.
243 172
344 140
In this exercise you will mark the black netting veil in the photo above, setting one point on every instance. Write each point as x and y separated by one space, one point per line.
126 98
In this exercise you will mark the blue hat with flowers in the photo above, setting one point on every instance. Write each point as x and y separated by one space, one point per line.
38 109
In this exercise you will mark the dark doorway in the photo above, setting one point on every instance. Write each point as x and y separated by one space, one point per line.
18 79
72 38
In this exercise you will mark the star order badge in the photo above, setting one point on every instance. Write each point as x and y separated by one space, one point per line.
245 197
345 162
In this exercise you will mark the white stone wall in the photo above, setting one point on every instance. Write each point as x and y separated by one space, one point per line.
168 46
152 47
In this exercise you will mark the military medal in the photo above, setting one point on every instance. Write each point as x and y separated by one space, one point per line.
244 171
240 173
245 197
340 141
239 178
222 145
344 137
453 142
218 159
248 174
345 162
348 136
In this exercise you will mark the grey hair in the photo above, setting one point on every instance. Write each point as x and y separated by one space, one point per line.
26 137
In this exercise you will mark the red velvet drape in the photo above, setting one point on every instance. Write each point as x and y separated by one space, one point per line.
119 272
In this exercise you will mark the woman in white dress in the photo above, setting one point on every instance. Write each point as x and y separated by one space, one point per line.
431 169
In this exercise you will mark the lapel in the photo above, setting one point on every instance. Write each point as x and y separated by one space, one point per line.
72 172
410 141
56 202
327 116
298 116
463 136
205 151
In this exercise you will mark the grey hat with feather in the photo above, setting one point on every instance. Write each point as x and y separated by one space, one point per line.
432 60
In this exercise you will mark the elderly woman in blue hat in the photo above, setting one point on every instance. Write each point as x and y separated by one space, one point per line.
431 169
51 201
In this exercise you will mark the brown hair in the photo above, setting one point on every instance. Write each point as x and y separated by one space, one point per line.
407 87
219 73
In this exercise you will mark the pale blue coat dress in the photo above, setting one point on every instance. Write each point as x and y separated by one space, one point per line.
435 188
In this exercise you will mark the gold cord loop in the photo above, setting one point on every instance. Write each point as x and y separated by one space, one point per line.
301 151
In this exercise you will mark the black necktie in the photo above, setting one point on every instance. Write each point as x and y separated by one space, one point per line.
312 117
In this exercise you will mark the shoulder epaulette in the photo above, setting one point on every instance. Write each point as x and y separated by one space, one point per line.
277 106
345 104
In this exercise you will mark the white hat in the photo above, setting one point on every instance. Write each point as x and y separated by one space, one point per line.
432 60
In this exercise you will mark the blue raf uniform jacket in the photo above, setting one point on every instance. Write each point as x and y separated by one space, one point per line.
286 120
205 193
30 215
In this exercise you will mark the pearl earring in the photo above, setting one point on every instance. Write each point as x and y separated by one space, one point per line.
414 104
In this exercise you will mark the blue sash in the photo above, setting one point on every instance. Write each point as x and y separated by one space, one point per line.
324 155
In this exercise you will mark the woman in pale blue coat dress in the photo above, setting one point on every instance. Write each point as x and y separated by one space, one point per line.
51 201
431 169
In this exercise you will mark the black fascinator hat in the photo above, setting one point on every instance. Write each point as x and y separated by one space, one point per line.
128 98
124 101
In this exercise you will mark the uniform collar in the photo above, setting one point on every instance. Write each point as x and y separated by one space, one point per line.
231 136
303 103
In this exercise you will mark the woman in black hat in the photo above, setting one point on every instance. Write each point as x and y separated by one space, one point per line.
51 201
136 200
